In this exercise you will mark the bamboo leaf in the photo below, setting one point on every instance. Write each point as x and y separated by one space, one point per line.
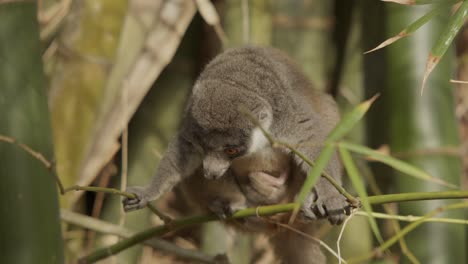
445 40
349 120
420 2
395 163
360 189
411 28
314 173
389 41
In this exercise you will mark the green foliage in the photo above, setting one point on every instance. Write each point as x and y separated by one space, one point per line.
360 188
446 36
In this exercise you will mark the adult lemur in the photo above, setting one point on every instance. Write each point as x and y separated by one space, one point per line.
215 136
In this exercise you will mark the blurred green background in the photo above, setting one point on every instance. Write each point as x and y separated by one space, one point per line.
98 86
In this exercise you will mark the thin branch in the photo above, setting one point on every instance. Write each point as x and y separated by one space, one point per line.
338 247
165 218
100 189
105 175
38 156
405 231
305 235
412 218
417 196
351 199
243 110
124 151
458 81
29 150
396 226
320 242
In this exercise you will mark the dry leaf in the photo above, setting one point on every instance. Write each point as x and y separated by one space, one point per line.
401 2
388 41
432 61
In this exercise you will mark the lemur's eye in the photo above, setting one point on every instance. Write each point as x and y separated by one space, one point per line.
231 151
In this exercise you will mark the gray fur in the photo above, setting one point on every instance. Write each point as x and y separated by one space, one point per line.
273 89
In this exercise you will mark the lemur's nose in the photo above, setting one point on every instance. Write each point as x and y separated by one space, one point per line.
209 174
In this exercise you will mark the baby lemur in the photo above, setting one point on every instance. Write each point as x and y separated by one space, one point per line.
215 136
261 178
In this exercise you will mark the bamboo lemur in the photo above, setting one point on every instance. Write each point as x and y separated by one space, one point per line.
239 166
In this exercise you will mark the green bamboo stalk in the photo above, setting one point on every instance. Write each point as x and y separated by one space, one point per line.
251 212
99 189
29 223
377 199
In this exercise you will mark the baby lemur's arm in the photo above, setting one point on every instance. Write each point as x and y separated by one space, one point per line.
180 160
